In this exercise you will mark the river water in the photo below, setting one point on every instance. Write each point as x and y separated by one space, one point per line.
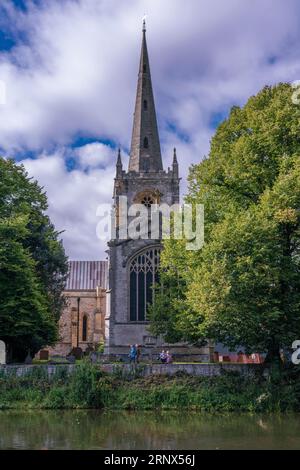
146 430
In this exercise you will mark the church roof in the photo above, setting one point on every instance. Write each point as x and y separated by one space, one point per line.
86 275
145 153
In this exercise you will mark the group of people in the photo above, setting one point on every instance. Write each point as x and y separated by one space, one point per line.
165 357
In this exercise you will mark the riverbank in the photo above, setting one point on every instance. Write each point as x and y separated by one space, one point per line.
90 387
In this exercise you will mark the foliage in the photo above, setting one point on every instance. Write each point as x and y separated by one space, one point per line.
100 347
33 264
243 287
89 387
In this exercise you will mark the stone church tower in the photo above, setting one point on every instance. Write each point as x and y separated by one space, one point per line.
133 264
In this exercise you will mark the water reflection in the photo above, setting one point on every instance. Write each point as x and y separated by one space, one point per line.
92 429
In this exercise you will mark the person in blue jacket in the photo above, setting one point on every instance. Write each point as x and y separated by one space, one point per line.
133 353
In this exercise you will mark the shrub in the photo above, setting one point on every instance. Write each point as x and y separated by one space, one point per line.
56 398
89 387
84 385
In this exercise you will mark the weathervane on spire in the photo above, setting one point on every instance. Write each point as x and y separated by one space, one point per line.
144 23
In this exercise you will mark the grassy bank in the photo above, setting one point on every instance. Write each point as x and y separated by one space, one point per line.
89 387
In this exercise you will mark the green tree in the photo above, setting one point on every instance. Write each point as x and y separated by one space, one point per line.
242 288
33 265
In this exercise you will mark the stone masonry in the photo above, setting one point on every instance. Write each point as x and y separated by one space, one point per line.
86 289
146 182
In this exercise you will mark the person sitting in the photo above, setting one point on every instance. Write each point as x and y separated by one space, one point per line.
169 357
163 357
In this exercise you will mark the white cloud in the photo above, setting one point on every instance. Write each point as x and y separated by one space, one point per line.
76 74
74 197
95 154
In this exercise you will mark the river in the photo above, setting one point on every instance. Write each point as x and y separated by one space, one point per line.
91 429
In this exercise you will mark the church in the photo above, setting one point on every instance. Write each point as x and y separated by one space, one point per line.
107 300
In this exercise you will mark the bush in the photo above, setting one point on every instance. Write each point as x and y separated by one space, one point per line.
89 387
84 385
100 347
56 398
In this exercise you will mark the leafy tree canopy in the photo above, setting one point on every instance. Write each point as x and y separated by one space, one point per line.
243 287
33 265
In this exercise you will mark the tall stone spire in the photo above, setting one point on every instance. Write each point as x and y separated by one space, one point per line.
145 154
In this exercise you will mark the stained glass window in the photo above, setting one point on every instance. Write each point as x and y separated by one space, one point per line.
143 275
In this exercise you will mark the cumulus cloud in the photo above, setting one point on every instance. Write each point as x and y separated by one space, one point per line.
74 196
94 155
70 70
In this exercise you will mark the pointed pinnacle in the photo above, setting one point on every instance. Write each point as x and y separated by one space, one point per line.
119 161
175 156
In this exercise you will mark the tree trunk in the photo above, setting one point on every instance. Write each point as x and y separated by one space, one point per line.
273 356
274 364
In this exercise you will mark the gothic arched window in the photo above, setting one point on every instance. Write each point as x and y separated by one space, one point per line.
84 328
143 272
146 143
145 104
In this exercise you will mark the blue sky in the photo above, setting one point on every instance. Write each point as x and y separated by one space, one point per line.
70 71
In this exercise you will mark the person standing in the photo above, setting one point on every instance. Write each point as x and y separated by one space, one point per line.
138 352
133 354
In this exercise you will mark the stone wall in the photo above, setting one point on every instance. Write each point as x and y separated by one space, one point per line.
93 306
23 370
208 370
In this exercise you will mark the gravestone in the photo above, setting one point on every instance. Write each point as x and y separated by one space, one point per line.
71 359
28 359
93 357
2 352
77 352
89 350
44 355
